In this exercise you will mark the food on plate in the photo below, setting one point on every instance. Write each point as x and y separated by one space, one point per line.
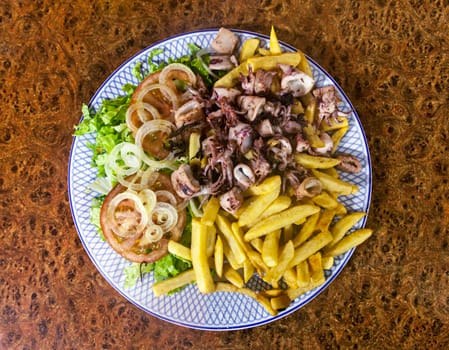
237 150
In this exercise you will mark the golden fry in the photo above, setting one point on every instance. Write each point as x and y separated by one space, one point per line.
307 229
249 48
224 226
166 286
316 162
179 250
275 273
280 220
302 274
268 185
325 200
316 268
337 136
310 247
332 184
219 256
210 211
248 270
325 220
350 241
280 302
233 276
342 226
256 209
275 48
199 257
270 248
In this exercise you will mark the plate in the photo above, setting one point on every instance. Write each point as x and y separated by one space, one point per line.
189 308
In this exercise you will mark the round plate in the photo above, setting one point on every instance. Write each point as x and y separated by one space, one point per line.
189 308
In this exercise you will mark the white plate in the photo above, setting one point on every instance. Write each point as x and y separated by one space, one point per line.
189 308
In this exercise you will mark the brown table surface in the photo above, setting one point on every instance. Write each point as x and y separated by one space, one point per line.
390 57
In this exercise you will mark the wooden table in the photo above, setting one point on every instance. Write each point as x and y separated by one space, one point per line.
390 57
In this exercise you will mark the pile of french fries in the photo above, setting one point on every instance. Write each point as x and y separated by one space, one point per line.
287 243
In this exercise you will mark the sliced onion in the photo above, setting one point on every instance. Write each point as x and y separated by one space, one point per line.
168 93
149 200
125 159
153 126
152 234
140 108
142 179
165 215
172 71
121 230
167 195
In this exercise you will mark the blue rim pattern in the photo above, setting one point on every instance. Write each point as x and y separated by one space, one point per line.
218 311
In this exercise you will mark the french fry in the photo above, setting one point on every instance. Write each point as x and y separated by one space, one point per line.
279 204
307 229
264 301
342 226
218 256
179 250
268 185
332 124
325 200
271 62
166 286
328 262
248 270
270 293
211 237
280 302
290 277
350 241
287 233
332 184
257 243
224 226
210 211
256 63
316 269
311 134
233 276
256 209
275 48
282 219
310 247
257 261
274 274
302 274
230 78
230 256
332 172
316 162
295 293
304 65
325 220
194 145
249 48
199 257
270 248
337 136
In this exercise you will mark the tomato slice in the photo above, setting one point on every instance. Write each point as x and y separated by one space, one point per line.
128 246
